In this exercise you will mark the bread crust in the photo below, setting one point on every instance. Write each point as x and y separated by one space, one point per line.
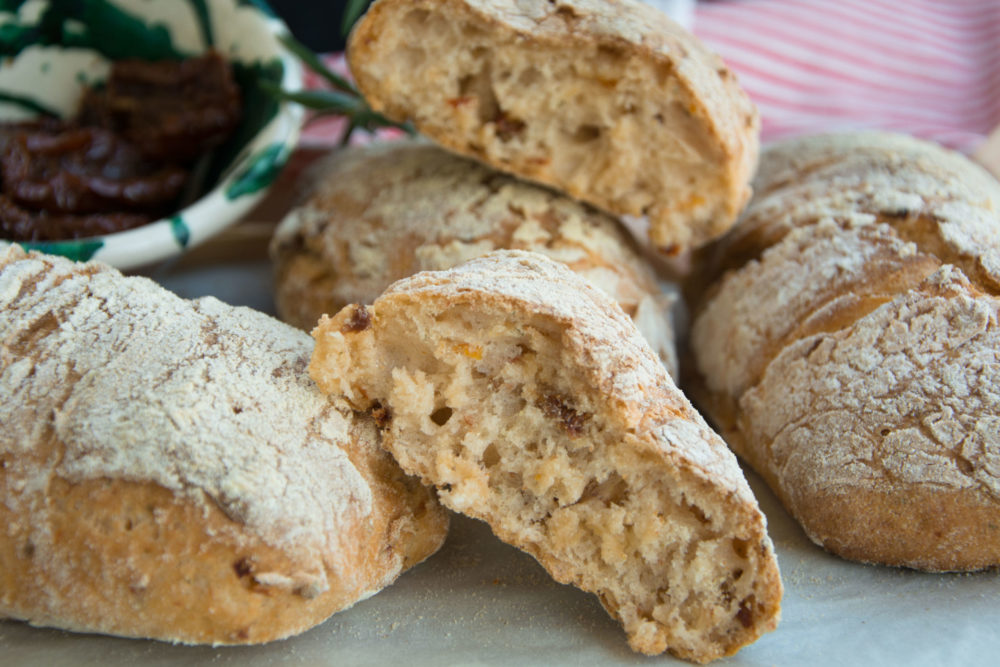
848 348
383 212
167 471
930 196
628 493
606 100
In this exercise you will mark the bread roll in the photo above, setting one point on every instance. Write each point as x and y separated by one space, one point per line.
168 470
848 348
606 100
530 401
387 211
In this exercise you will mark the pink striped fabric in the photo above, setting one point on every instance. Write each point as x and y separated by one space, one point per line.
930 68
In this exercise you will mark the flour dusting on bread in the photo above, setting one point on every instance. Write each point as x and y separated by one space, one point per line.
168 470
846 336
384 212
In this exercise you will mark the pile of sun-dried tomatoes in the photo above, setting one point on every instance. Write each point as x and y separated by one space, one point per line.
125 159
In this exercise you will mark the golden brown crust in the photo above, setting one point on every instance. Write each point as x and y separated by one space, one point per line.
531 402
136 563
848 349
926 528
166 471
606 100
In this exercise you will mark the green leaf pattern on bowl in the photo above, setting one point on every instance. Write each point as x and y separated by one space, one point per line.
180 231
27 103
261 5
78 251
259 173
200 8
258 110
97 25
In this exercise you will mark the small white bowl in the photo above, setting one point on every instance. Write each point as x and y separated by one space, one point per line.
244 32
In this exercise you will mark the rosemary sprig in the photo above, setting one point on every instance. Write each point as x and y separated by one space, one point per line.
313 62
352 12
324 102
344 100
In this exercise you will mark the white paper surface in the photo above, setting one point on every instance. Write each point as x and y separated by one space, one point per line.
481 602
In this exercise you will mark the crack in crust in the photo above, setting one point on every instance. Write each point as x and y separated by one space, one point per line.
848 347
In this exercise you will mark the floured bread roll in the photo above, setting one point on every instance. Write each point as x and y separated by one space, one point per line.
530 401
168 470
387 211
849 348
607 100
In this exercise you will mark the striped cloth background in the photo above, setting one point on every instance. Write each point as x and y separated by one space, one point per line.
930 68
926 67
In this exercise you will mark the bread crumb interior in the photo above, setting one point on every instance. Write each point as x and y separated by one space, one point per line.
601 123
491 411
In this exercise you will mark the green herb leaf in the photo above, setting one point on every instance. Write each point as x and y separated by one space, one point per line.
331 101
352 12
344 100
313 62
348 132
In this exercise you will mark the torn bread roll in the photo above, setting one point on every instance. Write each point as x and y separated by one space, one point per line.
849 346
607 100
386 211
530 401
168 470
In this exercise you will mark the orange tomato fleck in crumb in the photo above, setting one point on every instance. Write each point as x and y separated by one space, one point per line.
471 351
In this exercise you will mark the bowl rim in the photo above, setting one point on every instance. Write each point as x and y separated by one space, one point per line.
214 210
